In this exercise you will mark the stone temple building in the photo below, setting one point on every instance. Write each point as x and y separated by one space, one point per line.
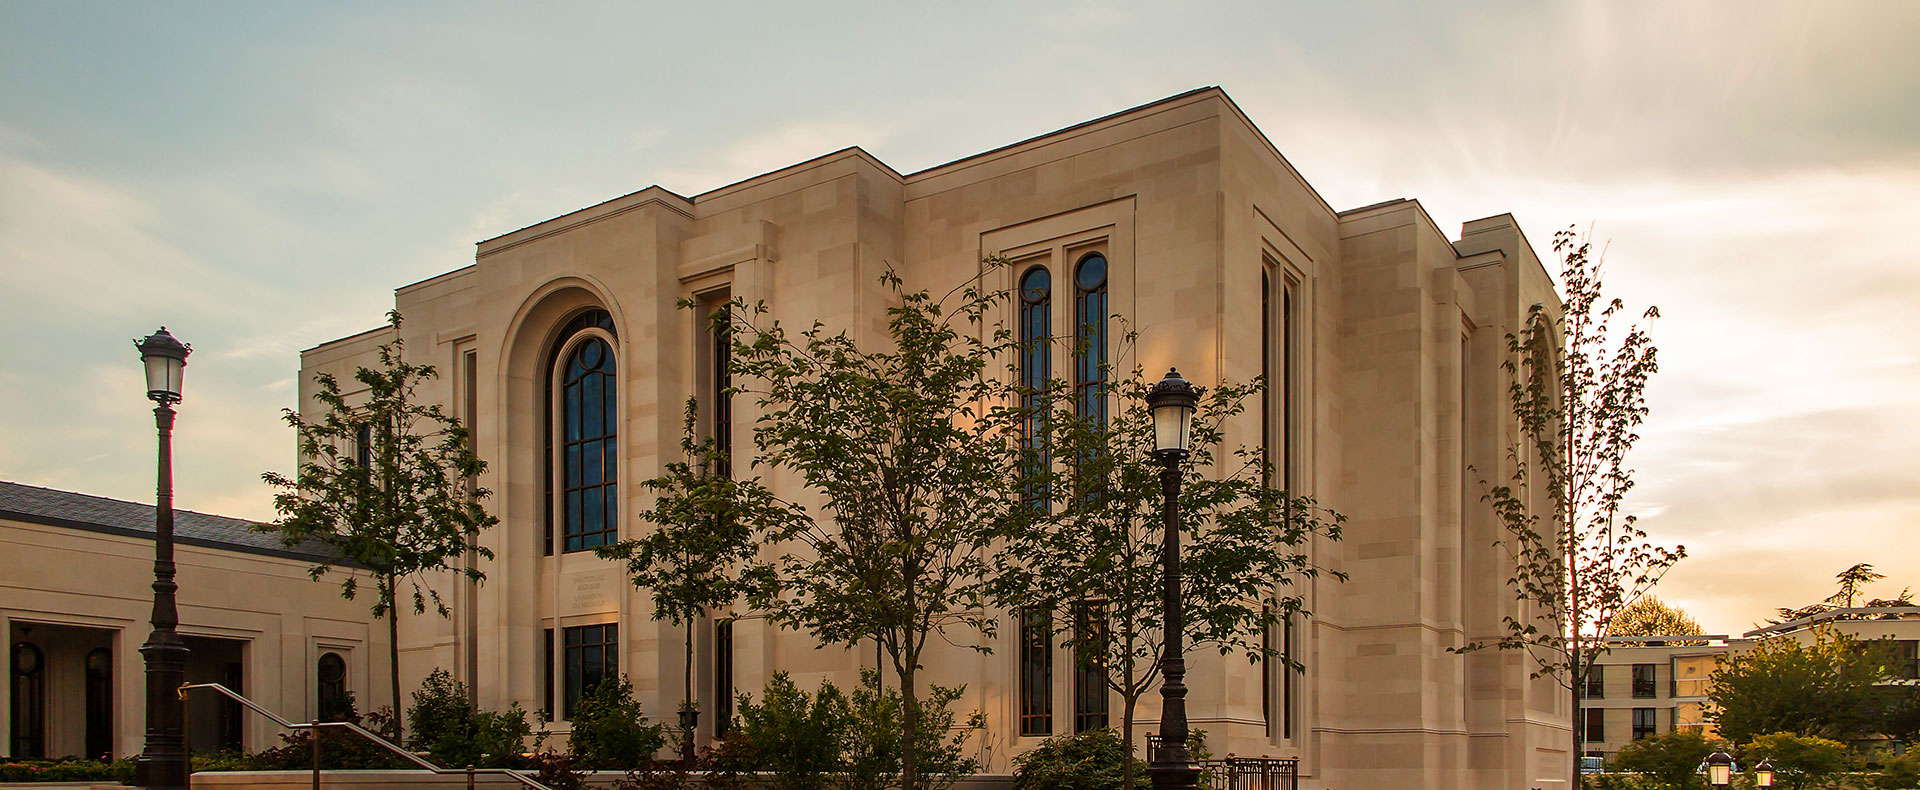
564 347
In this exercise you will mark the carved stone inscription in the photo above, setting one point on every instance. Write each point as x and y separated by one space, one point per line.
586 592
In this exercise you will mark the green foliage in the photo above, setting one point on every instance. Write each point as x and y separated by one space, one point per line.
1097 535
1668 760
847 741
1091 760
1823 689
876 749
71 769
906 445
446 726
1900 773
409 512
1798 760
558 771
610 730
340 748
799 738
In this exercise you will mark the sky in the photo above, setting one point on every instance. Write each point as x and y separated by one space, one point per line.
259 177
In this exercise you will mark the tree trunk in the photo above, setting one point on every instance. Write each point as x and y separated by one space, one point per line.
393 656
686 698
909 716
1126 732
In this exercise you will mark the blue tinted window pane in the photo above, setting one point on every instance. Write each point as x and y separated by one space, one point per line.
1093 273
591 407
573 412
573 465
589 461
593 505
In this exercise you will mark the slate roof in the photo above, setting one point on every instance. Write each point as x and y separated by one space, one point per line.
54 508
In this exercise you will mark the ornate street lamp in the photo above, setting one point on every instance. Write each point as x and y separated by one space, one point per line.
1763 774
1172 402
163 764
1719 769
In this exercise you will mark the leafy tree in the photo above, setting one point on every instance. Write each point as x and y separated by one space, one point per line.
1851 586
610 730
1798 760
1650 616
1668 760
701 536
907 451
1823 689
1851 581
877 743
385 485
1579 398
1088 552
848 741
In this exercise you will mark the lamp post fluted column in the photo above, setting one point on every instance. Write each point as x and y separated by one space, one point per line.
1172 402
163 762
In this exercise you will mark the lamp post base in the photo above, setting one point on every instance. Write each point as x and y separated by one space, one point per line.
1174 776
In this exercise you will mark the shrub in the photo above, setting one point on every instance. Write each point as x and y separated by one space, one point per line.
445 724
610 730
1668 761
874 743
1798 760
339 747
1901 773
1091 760
798 737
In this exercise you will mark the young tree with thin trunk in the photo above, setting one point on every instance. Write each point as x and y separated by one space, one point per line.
700 538
1087 554
385 485
909 451
1579 397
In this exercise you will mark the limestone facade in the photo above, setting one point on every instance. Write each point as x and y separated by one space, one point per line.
1394 341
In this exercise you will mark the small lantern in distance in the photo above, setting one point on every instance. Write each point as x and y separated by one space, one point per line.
1763 774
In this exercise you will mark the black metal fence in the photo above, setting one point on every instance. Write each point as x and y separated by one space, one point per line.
1242 773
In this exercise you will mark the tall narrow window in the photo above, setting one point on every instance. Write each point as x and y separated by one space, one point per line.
546 693
1036 672
1090 324
590 428
722 677
363 445
1036 366
720 379
593 656
1644 723
1596 729
1090 667
1290 678
28 719
1645 681
558 416
332 674
1266 449
100 703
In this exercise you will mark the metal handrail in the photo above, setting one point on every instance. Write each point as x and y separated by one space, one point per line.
469 771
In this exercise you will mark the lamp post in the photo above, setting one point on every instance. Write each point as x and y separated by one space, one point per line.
1172 402
1719 769
163 763
1763 774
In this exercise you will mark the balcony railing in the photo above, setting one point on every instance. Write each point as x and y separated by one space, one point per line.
1242 773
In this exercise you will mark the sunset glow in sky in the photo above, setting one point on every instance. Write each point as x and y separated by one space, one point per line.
260 177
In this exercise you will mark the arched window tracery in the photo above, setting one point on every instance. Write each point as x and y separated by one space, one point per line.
583 434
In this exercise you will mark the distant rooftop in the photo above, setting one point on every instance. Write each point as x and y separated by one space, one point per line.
1837 614
72 510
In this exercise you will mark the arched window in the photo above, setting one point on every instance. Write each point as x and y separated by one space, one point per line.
1036 363
100 703
582 435
1090 324
28 719
332 676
